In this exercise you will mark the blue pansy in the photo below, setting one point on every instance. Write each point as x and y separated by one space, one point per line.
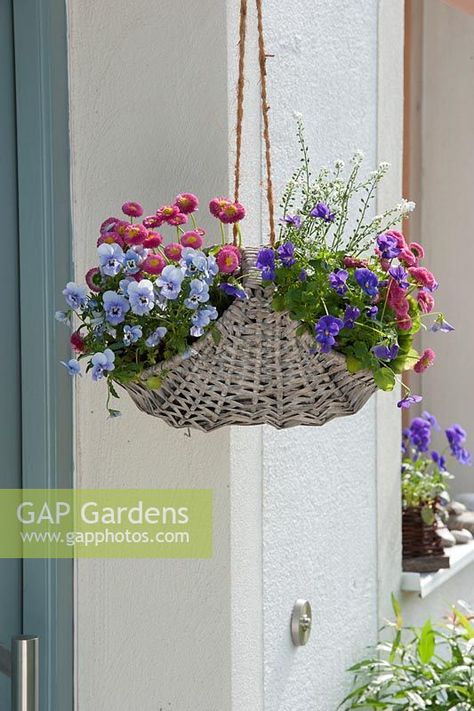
367 280
102 363
75 295
235 291
156 337
110 258
72 366
131 262
198 294
131 334
115 307
141 295
170 281
201 319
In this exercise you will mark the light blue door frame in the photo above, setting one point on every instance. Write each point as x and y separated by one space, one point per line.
36 427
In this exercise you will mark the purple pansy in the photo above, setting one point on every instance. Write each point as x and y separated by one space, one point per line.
441 325
351 315
232 290
400 275
338 279
388 353
456 437
439 460
266 262
367 280
292 221
419 434
141 295
286 253
102 363
432 420
115 307
303 275
323 211
326 330
372 312
388 246
408 401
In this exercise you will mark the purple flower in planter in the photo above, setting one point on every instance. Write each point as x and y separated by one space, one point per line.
456 437
400 276
131 334
170 281
439 460
201 319
75 295
372 312
367 280
115 307
432 420
266 262
72 366
234 291
110 258
102 363
388 246
338 280
440 325
351 315
303 275
155 338
286 252
323 212
420 434
326 330
408 401
388 353
292 221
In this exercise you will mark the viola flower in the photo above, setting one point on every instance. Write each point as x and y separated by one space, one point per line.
425 301
353 262
234 291
135 234
456 437
132 209
154 239
432 420
266 262
187 203
227 260
170 281
292 221
191 239
323 212
286 253
74 295
155 338
198 294
401 241
142 297
93 279
132 262
77 342
152 221
231 212
179 219
173 251
351 315
338 280
388 245
439 460
110 259
326 329
372 312
419 434
426 361
217 204
166 212
367 280
131 334
400 276
102 363
195 261
386 353
303 275
441 325
408 401
110 238
115 307
424 277
72 366
212 268
154 264
202 318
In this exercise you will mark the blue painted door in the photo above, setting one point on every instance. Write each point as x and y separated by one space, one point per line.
10 385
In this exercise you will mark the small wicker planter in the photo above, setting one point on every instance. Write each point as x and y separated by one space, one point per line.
260 372
419 539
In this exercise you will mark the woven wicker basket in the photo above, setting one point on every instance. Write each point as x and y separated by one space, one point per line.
419 538
260 372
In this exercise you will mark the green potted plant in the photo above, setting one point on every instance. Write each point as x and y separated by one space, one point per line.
428 667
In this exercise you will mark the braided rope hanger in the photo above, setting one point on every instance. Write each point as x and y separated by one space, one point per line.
262 60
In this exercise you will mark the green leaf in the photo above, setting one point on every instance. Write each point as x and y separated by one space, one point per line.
427 514
426 643
216 335
154 383
353 364
464 622
397 610
385 379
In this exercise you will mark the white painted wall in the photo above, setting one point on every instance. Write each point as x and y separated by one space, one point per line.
296 513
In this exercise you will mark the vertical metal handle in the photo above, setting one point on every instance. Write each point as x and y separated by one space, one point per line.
25 673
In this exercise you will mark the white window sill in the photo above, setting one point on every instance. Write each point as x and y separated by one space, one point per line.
424 583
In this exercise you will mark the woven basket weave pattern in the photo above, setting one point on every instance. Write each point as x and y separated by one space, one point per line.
419 538
260 372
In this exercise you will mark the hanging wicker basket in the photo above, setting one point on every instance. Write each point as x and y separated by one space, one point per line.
259 372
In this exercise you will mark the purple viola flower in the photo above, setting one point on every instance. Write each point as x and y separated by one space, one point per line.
232 290
141 295
367 280
326 330
388 353
198 294
266 262
337 280
420 434
131 334
439 460
441 325
171 277
102 363
372 312
303 275
202 318
155 338
400 275
323 212
456 437
110 258
286 253
74 295
351 315
292 221
115 307
432 420
132 261
72 366
388 246
408 401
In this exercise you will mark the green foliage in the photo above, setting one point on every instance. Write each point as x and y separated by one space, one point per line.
428 668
